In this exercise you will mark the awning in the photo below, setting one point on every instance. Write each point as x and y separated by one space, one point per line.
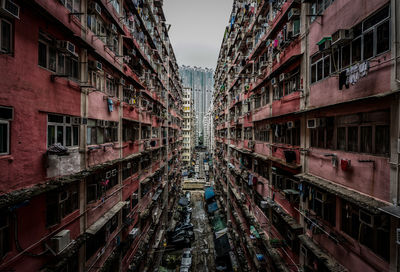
183 201
222 246
291 192
212 207
157 194
254 232
330 263
288 219
96 226
219 233
292 166
361 200
324 39
391 210
209 193
217 223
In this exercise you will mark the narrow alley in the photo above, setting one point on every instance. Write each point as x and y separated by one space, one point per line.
199 135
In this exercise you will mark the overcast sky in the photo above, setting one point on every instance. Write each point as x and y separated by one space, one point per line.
197 29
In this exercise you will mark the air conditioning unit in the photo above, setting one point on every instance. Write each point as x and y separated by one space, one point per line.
268 127
66 46
128 165
273 81
95 7
342 36
9 8
94 64
282 77
134 233
131 87
108 174
293 13
122 81
60 241
264 204
114 172
366 218
113 28
290 124
315 122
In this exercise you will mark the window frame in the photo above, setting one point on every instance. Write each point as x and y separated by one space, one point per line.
11 37
70 65
64 125
7 123
62 203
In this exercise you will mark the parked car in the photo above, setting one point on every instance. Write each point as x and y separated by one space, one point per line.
181 226
184 269
188 196
189 209
180 233
186 258
186 218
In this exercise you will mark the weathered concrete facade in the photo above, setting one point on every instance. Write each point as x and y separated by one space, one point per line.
90 116
306 123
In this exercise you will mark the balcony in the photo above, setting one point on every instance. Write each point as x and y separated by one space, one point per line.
61 165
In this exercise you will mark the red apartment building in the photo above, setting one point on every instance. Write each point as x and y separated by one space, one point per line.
90 134
307 126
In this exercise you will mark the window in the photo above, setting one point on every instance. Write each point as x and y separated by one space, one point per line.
5 233
324 206
135 199
98 183
59 204
370 230
101 131
116 5
5 36
6 115
318 7
285 135
261 168
155 132
95 243
357 133
130 131
51 58
73 5
320 68
63 130
111 87
111 225
248 134
292 81
145 132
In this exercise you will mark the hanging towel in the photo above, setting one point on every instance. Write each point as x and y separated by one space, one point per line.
110 105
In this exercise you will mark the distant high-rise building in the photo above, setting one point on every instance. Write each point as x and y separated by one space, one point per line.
201 81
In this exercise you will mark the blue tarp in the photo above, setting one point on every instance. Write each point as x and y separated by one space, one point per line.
212 207
209 193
